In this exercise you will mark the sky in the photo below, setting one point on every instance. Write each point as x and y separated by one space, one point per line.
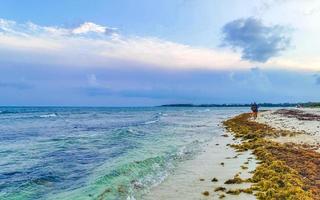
148 52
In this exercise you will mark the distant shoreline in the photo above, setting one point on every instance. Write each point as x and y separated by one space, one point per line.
309 104
230 105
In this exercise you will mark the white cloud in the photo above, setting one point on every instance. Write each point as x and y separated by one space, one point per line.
169 54
297 64
89 27
76 47
91 45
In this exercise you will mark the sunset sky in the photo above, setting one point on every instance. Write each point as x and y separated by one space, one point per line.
147 52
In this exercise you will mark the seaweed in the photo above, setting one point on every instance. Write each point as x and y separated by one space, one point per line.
222 189
235 180
238 191
225 135
206 193
234 192
214 180
244 167
285 171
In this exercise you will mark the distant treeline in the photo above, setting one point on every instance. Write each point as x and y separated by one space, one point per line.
309 104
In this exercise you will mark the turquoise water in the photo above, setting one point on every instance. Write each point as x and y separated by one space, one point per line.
98 153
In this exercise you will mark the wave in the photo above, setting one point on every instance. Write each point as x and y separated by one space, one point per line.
130 198
48 115
162 114
205 110
155 119
7 112
151 121
132 180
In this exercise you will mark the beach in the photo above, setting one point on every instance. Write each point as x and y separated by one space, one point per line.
116 153
158 153
303 120
277 147
194 177
286 144
159 100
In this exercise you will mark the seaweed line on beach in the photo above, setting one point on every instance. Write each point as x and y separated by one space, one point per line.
285 171
298 114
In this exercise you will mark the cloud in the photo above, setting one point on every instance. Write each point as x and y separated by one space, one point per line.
91 27
306 8
238 86
268 4
126 86
94 45
31 29
257 41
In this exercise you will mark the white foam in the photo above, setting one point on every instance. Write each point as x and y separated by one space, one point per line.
48 115
130 198
205 110
151 122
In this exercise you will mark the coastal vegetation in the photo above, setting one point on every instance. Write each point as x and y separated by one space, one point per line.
306 105
285 171
312 105
234 105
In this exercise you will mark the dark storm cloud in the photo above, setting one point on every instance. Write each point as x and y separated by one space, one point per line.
257 41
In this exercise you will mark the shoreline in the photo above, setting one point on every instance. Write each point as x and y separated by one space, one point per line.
200 177
259 160
204 176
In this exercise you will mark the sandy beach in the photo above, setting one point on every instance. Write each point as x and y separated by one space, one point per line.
194 177
286 142
303 120
189 153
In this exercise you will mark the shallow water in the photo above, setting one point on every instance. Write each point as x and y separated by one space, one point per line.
98 153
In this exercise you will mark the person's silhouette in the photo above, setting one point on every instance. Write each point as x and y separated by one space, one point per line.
254 108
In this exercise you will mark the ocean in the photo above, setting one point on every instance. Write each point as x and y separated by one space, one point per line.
98 152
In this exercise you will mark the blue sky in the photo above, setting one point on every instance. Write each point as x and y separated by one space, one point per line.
145 52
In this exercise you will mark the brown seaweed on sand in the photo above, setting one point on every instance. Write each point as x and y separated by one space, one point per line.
298 114
205 193
286 171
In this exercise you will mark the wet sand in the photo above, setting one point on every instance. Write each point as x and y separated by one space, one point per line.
194 177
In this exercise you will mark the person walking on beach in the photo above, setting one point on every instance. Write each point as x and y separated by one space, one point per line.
254 108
